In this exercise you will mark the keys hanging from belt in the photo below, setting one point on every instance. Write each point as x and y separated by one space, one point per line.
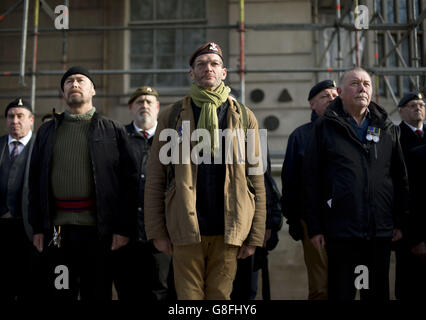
56 237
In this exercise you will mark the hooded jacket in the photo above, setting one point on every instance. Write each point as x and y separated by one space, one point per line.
354 190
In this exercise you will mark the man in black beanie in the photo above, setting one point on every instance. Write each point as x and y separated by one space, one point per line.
82 193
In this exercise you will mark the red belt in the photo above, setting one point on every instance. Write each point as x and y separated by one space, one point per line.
75 204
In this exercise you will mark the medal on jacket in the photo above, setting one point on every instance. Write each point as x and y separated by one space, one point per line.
373 134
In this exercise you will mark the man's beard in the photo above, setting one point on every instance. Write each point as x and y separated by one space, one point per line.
75 100
145 118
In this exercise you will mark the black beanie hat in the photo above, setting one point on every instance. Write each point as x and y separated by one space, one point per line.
409 97
326 84
18 103
76 70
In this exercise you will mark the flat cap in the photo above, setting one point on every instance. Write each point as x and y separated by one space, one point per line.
18 103
76 70
409 97
143 91
209 47
326 84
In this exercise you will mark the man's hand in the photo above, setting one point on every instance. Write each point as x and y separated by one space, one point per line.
268 233
118 241
164 245
245 251
420 250
6 215
397 235
38 240
318 241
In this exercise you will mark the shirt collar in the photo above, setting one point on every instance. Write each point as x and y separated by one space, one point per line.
414 128
366 116
151 131
23 140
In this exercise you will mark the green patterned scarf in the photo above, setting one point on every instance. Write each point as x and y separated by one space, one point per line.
209 101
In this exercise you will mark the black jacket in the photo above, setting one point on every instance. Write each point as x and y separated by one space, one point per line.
354 190
291 177
12 178
140 147
417 220
409 139
114 177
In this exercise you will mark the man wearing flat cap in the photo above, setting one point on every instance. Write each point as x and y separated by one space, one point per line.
208 214
15 148
412 112
147 273
319 97
82 193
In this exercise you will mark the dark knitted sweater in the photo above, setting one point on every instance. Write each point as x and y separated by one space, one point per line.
72 173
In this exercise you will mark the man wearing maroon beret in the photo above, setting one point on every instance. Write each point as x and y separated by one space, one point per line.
206 215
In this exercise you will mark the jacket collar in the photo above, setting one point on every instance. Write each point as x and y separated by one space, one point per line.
378 116
314 116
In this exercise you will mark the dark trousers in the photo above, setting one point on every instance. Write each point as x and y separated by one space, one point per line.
243 289
410 274
245 284
344 255
15 261
142 273
88 262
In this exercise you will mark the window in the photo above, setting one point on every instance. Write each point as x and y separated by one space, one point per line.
162 47
398 11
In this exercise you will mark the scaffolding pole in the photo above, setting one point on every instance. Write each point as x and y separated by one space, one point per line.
23 44
339 44
381 71
409 28
357 48
398 52
241 31
254 27
416 52
376 57
35 48
414 25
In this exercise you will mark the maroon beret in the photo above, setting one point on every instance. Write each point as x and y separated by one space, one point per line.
209 47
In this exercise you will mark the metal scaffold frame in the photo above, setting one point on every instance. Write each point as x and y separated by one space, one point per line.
379 69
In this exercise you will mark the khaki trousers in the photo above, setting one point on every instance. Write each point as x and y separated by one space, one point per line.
317 266
205 270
